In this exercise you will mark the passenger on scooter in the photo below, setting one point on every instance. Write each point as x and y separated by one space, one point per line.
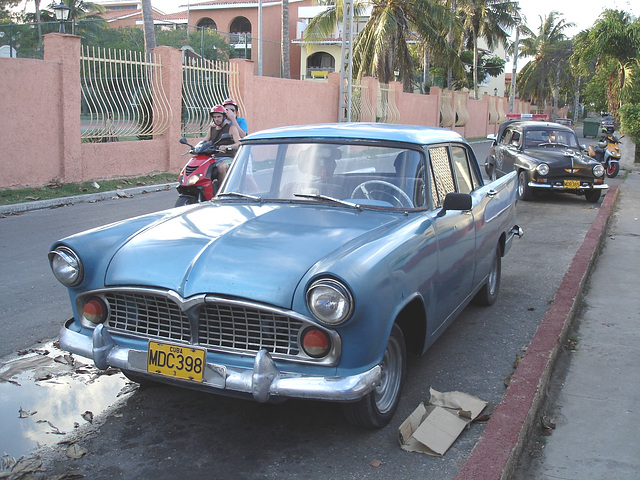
232 111
219 126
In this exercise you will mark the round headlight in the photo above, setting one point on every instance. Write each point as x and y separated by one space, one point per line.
66 266
542 169
329 301
598 170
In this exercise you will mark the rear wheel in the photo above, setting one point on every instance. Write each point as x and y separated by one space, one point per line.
377 408
612 169
525 192
489 292
592 196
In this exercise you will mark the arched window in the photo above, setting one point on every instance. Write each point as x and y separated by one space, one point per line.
320 64
206 22
240 25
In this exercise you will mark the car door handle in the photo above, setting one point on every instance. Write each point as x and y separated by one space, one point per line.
491 193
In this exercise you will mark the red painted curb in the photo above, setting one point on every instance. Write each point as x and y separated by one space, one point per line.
497 452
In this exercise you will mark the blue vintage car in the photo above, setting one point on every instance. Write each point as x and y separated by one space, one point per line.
329 252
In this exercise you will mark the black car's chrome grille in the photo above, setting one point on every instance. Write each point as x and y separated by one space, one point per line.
148 315
221 326
248 329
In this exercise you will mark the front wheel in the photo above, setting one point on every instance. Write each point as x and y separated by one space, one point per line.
612 169
525 192
186 200
592 196
377 408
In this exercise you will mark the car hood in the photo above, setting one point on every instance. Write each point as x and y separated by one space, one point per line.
253 251
559 157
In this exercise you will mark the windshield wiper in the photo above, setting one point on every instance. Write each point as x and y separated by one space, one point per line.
328 199
240 195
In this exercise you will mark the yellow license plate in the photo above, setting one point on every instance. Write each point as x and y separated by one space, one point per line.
176 361
571 184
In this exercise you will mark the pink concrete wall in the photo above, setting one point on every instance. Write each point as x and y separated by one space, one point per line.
40 116
30 123
478 115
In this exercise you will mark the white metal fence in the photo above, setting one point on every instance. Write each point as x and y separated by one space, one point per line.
122 95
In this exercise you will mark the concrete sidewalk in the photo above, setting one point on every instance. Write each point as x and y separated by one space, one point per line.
597 412
597 409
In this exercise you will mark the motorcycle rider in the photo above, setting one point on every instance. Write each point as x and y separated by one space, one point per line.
232 116
219 126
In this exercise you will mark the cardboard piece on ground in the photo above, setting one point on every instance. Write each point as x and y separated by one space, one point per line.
434 428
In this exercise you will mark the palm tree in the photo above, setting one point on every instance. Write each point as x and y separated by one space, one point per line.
614 43
149 30
382 46
547 49
486 19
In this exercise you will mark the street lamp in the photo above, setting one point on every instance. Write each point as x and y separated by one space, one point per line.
62 14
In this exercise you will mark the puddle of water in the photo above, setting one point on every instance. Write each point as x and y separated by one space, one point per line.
47 393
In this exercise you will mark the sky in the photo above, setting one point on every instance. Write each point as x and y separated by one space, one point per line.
581 12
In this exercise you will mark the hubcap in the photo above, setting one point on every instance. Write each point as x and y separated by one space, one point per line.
386 392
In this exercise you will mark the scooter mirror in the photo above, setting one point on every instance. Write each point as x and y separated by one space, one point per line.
184 141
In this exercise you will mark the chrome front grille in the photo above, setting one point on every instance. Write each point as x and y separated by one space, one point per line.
147 315
235 327
221 325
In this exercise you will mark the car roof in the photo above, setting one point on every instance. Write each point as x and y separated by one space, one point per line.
360 131
534 124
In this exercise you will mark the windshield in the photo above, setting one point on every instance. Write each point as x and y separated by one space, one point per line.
537 137
365 175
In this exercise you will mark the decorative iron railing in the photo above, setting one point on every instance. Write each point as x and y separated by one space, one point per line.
205 84
122 96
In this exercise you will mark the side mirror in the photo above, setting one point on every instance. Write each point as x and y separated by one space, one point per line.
456 201
184 141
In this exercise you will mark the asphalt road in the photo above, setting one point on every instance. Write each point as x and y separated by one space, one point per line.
165 432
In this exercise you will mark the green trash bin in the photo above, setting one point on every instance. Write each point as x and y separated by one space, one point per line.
591 127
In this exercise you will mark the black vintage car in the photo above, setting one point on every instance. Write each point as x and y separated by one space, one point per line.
546 156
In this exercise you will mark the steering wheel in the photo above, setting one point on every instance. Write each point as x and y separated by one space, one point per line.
402 201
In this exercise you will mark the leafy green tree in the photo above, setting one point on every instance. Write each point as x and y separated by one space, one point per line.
490 65
630 123
487 19
614 44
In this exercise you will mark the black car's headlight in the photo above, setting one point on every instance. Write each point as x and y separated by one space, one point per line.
542 169
66 266
598 170
329 301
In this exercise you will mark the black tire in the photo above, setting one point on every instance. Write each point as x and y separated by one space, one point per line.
377 408
185 200
525 192
592 196
491 171
489 292
612 169
141 380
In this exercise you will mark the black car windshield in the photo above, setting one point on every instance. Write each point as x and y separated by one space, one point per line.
540 137
365 175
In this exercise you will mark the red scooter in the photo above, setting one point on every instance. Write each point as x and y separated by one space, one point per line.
198 180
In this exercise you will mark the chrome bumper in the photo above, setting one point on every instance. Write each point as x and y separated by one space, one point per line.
560 187
262 382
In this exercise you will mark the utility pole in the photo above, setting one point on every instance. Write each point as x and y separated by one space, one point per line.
514 72
346 62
